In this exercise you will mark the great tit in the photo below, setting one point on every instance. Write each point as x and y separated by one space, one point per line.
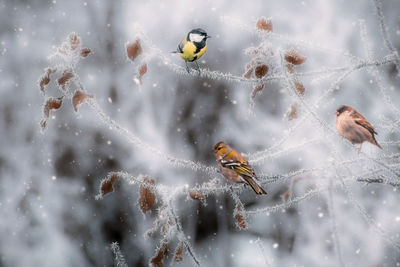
193 46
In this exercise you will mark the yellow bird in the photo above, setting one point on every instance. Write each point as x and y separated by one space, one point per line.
193 46
235 167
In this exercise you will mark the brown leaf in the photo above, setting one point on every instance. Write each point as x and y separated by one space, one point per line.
285 196
257 88
67 75
134 49
107 185
292 56
240 221
300 88
260 71
292 113
79 98
74 40
43 124
51 103
45 79
178 253
196 195
290 67
264 24
147 197
158 259
85 52
248 73
142 71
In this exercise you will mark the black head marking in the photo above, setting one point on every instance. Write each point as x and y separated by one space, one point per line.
342 109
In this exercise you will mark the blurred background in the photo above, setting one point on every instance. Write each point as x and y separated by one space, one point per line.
49 216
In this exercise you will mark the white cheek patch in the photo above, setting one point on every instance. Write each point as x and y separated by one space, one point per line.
195 37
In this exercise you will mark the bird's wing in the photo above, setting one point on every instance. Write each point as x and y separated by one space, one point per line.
182 45
239 165
360 120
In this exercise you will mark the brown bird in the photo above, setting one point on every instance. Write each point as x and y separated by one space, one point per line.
235 167
354 127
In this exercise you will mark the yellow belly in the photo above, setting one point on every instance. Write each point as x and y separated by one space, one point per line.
189 52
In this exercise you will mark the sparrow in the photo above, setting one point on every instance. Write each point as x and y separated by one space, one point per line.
354 127
235 167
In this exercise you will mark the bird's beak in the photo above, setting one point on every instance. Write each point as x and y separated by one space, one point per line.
208 36
337 113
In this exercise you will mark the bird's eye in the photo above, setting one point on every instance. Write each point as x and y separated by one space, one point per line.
219 148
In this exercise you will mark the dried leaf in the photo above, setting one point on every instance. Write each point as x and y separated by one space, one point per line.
147 197
74 40
292 56
51 103
261 70
248 73
134 49
43 124
142 71
292 113
290 67
85 52
79 98
67 75
240 220
107 185
45 79
285 196
158 259
179 252
257 88
264 24
196 195
300 88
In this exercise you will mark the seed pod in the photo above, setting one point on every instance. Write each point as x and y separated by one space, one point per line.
134 49
147 197
300 88
240 220
74 40
248 73
178 252
292 56
292 113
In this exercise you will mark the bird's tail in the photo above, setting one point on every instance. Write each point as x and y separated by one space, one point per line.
376 142
254 185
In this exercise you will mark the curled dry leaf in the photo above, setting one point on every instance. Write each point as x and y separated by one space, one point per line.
299 87
74 40
64 79
257 88
292 113
79 98
196 195
134 49
45 79
147 197
107 185
179 252
43 124
290 67
51 103
261 70
264 24
85 52
240 221
292 56
158 259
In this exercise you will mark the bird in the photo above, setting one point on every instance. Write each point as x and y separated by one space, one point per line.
235 167
354 127
193 46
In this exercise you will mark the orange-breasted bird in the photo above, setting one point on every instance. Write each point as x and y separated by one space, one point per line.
235 167
354 127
